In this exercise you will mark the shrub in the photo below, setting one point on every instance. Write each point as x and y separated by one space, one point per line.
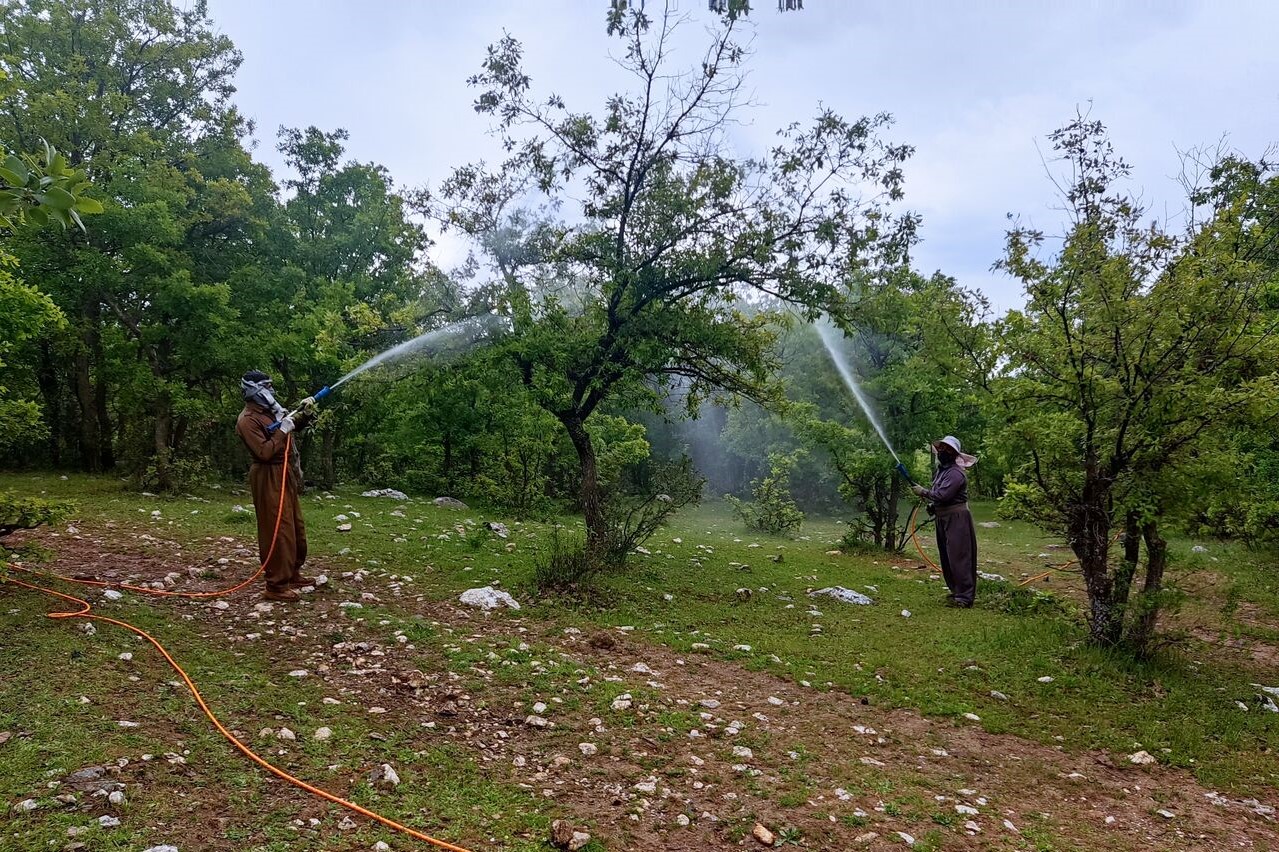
772 510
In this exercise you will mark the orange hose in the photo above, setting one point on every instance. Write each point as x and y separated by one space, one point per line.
85 612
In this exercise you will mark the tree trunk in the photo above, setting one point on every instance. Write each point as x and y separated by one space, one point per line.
90 457
1143 628
163 451
896 538
591 499
49 389
447 446
1090 540
328 467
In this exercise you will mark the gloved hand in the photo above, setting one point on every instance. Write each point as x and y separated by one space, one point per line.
308 405
920 491
287 425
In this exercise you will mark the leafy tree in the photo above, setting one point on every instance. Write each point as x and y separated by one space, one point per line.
1136 352
772 509
664 232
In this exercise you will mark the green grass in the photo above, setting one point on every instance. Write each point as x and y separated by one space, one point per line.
1179 706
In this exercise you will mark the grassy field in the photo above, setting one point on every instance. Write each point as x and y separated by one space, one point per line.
1182 707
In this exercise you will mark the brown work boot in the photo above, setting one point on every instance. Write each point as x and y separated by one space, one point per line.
299 582
282 595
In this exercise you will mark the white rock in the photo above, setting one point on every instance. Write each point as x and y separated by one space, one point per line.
386 492
1141 758
385 777
648 787
165 847
906 838
125 724
1008 825
682 820
26 806
344 527
623 701
746 648
488 598
1166 814
972 827
905 614
286 734
299 673
839 593
641 668
967 810
381 846
116 797
1046 679
743 752
126 657
536 721
347 824
112 595
322 734
972 717
108 822
1198 548
588 749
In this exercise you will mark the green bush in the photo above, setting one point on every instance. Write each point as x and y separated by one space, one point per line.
772 510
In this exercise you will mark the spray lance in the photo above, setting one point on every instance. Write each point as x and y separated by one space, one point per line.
316 397
901 468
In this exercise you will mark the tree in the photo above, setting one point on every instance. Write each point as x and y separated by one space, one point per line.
663 231
123 87
1135 353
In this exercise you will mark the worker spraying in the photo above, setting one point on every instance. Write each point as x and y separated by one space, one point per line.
956 534
266 429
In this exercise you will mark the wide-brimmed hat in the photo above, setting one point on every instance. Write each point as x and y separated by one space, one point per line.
962 458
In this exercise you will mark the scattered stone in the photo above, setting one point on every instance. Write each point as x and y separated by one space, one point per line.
972 827
1008 825
112 595
989 525
866 837
905 614
641 668
709 703
386 492
763 835
839 593
870 761
322 734
966 810
535 721
299 673
5 736
488 598
682 820
745 648
539 707
775 701
906 838
381 846
1198 548
648 787
125 657
1166 814
497 529
344 527
347 824
1046 679
623 701
164 847
116 797
449 503
995 693
384 777
565 836
743 752
124 724
588 749
108 822
972 717
286 734
1142 758
26 806
994 578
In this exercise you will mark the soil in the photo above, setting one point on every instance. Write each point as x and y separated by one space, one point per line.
842 772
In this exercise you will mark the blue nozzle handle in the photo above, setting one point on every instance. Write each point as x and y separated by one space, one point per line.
319 395
901 468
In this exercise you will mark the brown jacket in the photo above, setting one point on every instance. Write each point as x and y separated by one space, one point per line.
267 447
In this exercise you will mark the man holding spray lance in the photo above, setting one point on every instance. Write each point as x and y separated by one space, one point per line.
264 427
956 533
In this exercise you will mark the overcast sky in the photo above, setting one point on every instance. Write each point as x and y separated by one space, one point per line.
975 86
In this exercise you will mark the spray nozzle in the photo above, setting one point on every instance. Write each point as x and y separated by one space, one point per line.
901 468
317 396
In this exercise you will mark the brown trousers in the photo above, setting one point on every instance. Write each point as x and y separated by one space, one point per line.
290 545
957 545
